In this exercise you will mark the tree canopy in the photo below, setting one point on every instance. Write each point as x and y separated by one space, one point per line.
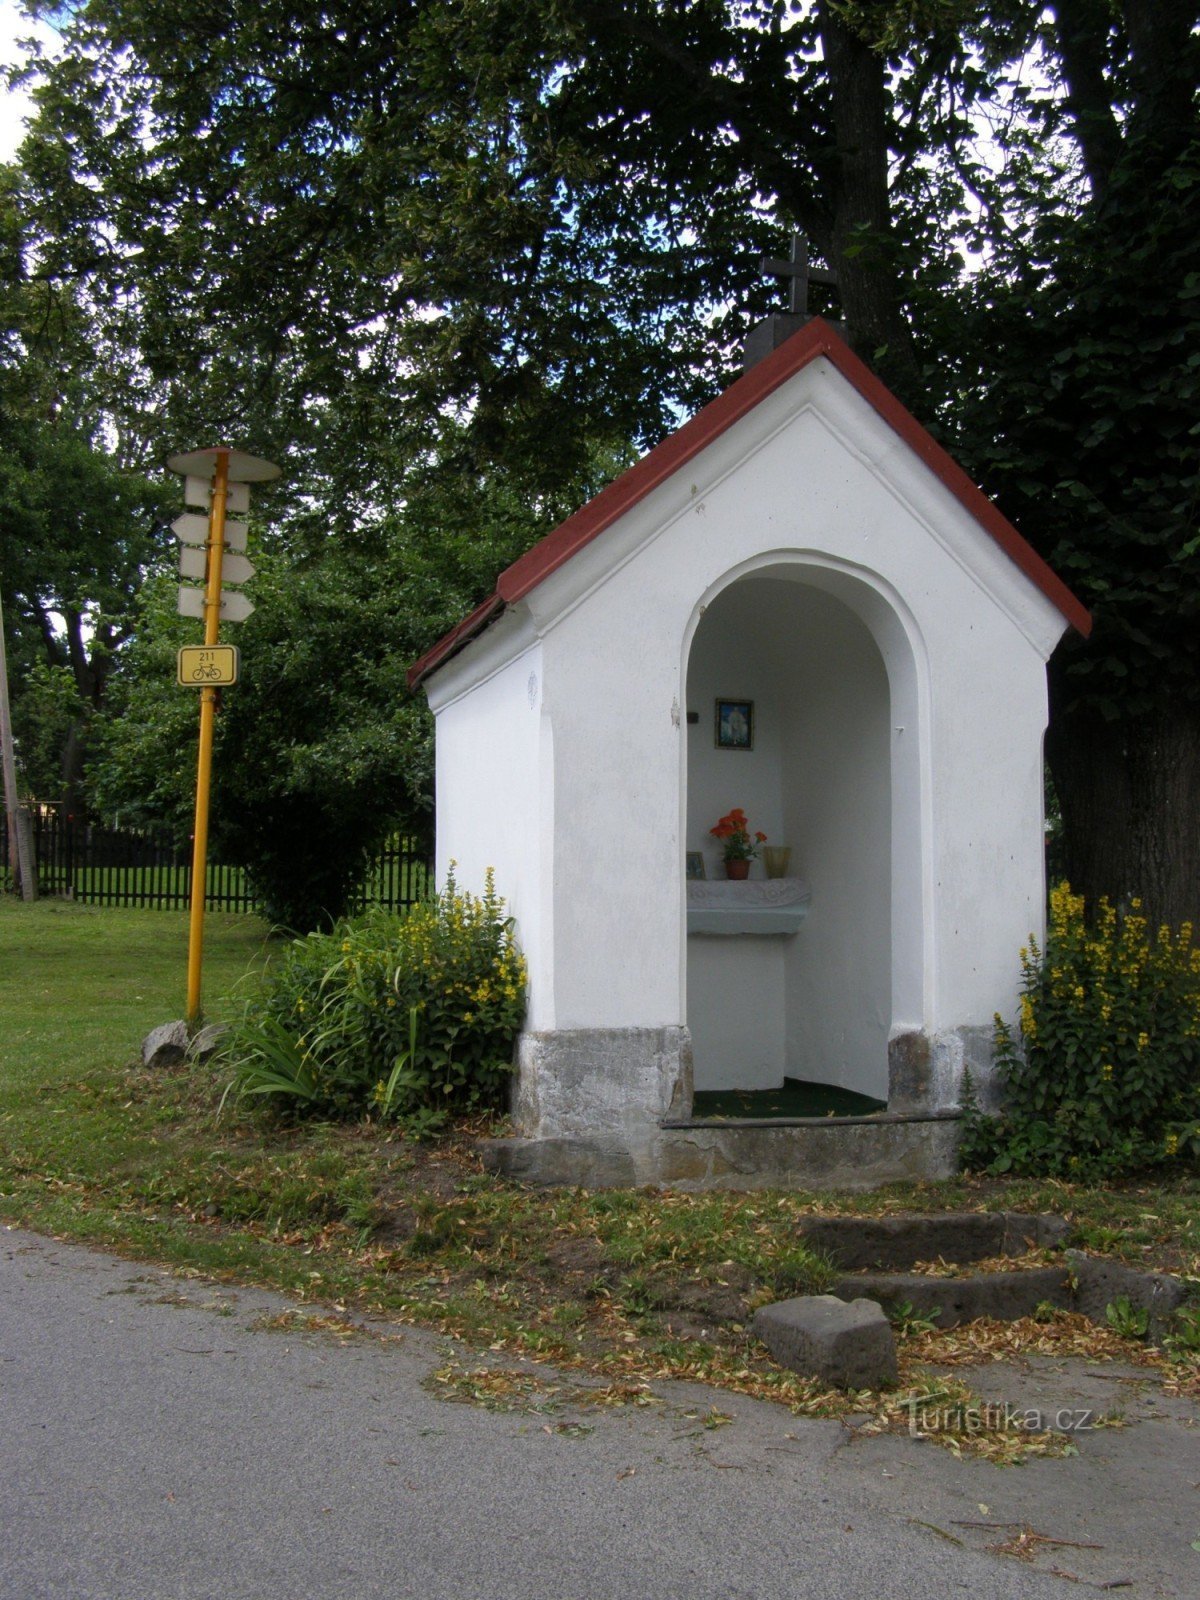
433 250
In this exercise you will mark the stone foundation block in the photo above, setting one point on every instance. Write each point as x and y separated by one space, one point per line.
607 1083
823 1153
925 1071
819 1336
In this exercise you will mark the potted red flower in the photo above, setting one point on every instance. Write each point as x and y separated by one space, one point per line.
739 848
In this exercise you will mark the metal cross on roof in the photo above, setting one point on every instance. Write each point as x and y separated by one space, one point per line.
800 274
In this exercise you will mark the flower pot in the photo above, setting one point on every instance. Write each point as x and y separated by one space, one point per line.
737 870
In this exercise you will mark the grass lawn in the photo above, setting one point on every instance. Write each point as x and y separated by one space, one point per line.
630 1285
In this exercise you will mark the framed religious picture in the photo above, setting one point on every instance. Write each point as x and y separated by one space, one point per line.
735 724
695 864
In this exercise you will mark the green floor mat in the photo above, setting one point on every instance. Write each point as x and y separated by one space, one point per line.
796 1098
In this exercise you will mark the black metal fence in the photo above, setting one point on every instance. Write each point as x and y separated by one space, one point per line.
88 862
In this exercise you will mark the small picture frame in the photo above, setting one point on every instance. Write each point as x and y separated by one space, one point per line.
735 724
694 860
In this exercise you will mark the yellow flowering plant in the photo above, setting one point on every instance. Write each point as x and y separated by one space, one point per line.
1102 1076
410 1016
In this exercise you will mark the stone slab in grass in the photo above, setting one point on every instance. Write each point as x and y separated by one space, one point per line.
897 1242
166 1045
849 1345
949 1301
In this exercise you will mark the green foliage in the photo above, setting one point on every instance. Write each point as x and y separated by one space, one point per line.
321 750
502 240
48 708
910 1323
1106 1077
1125 1319
1086 427
1183 1341
142 752
79 519
408 1017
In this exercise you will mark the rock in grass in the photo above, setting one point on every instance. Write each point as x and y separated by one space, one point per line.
848 1345
208 1041
165 1046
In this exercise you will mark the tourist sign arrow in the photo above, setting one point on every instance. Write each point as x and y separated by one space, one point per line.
235 607
236 569
193 563
192 528
198 492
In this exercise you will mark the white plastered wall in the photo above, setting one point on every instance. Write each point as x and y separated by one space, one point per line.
495 800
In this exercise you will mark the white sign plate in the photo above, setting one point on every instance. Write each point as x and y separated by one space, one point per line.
192 528
236 569
193 562
198 492
235 607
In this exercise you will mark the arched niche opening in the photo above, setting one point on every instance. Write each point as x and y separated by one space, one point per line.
829 670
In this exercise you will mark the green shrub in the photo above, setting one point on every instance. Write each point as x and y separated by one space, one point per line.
408 1017
1106 1077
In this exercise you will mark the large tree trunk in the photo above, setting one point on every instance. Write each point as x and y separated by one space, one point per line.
1128 794
861 247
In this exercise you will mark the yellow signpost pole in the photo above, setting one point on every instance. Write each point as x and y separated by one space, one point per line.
210 473
208 706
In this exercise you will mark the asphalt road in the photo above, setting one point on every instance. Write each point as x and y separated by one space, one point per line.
155 1443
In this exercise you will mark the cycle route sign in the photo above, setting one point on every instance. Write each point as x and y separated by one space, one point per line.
200 664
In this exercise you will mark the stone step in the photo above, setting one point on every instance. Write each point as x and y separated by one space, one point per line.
900 1241
1005 1296
844 1153
1088 1284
